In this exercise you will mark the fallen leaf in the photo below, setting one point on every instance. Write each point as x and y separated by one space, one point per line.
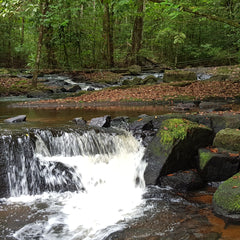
170 175
234 154
213 150
235 187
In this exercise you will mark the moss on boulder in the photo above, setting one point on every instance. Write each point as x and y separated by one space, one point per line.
179 75
226 200
228 139
174 148
217 165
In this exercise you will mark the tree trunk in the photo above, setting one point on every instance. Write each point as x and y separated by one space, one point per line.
137 33
43 9
108 34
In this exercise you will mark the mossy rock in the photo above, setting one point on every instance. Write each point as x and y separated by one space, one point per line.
228 139
174 148
217 165
150 80
131 82
226 200
179 75
135 69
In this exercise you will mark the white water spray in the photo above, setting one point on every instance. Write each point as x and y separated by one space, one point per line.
109 171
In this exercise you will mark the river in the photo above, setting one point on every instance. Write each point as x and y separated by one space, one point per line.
83 185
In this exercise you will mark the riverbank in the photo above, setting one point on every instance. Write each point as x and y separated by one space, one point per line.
224 85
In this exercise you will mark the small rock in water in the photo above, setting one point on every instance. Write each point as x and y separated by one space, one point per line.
19 118
79 121
101 121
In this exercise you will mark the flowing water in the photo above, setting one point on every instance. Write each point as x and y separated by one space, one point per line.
103 171
87 184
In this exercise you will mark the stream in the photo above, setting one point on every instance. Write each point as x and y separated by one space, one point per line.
82 184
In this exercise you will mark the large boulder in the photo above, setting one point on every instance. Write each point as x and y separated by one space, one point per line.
228 139
120 122
226 200
149 80
179 75
216 165
174 148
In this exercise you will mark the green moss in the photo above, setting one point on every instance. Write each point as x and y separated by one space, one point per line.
228 139
175 129
204 157
227 195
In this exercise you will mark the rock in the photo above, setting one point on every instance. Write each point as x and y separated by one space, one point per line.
19 118
219 77
226 200
39 94
79 78
143 129
174 148
149 80
79 121
134 81
228 139
101 121
182 181
184 106
179 75
218 165
91 89
211 105
135 69
74 88
120 122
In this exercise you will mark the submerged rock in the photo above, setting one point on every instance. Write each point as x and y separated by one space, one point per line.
19 118
174 148
226 200
215 165
228 139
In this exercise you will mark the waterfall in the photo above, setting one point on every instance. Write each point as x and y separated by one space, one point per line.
87 181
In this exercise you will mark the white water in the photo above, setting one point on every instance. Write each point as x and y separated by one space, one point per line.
113 183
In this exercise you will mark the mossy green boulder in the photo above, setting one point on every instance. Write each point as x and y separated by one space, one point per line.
226 200
228 139
174 148
179 75
217 165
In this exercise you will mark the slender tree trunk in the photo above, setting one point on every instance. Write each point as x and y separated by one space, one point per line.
137 32
43 8
108 33
22 31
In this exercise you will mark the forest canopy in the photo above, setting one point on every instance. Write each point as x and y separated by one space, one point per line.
77 34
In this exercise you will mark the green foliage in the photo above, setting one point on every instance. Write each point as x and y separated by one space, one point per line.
74 33
204 157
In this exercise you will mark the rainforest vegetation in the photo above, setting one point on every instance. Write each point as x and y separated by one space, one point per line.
78 34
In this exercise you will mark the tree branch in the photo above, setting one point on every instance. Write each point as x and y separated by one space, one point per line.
208 16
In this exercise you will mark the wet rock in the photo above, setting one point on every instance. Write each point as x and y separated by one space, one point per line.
79 121
39 94
211 105
134 81
174 148
217 165
91 89
228 139
182 181
120 122
101 121
226 200
74 88
17 119
143 129
178 75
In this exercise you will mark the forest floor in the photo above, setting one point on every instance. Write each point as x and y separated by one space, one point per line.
229 88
